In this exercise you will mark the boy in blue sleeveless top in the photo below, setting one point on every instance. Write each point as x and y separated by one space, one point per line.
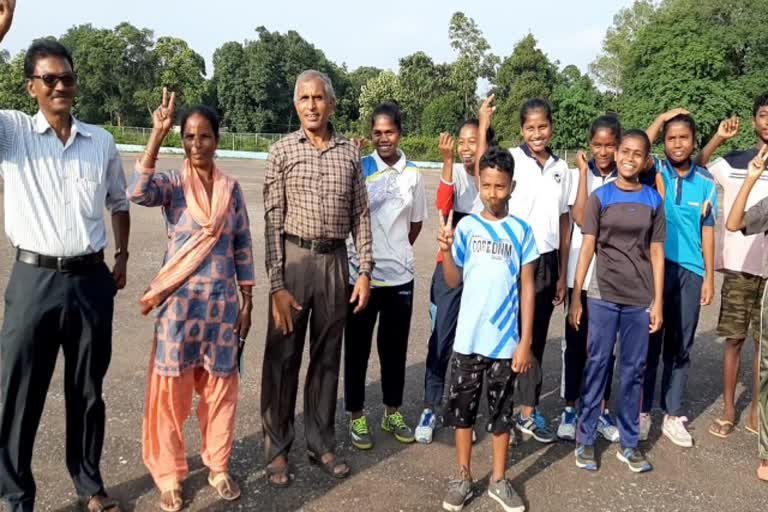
493 255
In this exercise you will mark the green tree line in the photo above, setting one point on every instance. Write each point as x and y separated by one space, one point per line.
708 56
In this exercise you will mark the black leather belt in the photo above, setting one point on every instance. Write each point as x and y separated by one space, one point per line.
315 246
61 264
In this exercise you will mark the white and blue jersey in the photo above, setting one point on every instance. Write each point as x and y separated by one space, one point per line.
491 255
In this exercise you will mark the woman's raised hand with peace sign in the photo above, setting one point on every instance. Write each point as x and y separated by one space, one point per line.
162 117
162 122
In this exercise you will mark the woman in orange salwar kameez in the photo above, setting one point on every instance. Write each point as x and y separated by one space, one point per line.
201 323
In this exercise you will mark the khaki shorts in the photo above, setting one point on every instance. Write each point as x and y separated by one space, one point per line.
740 305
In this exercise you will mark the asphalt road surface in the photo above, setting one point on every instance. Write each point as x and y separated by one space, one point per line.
714 475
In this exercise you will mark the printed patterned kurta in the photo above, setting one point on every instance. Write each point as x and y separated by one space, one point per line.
194 327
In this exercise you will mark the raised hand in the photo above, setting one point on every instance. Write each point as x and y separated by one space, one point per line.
445 232
486 111
729 128
757 165
359 143
582 162
7 7
671 114
162 117
446 145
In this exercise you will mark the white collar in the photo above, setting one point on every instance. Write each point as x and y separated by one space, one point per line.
42 125
381 165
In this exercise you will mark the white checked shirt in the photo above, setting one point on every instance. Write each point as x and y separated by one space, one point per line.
55 194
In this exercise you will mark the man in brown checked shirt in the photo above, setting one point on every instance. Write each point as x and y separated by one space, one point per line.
314 197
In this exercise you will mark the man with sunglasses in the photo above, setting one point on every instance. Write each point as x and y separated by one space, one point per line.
59 176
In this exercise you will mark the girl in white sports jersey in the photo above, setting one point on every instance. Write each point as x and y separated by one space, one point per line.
542 186
398 208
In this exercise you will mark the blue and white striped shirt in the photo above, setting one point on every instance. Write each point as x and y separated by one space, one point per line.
55 194
491 254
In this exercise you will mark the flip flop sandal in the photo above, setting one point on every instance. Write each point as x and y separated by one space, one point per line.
279 471
177 501
103 504
225 486
329 467
750 429
721 428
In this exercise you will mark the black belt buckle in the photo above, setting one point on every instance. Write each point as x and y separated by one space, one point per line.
315 246
321 246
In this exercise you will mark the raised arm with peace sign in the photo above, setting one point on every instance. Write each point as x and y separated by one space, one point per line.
162 117
757 165
451 272
7 7
445 233
162 122
736 217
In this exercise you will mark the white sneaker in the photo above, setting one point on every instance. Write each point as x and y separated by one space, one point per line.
426 427
674 429
606 427
567 428
645 425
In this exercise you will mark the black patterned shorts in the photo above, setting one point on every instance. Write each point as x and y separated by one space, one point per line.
466 389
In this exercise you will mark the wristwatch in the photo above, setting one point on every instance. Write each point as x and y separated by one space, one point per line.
364 273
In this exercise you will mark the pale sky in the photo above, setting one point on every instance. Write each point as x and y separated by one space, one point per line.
356 33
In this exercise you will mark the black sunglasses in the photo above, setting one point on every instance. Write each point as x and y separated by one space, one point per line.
66 79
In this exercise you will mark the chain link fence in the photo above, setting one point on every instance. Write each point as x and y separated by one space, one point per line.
253 142
416 147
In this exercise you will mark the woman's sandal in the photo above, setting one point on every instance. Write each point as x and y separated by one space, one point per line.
330 467
225 486
721 428
171 500
101 503
273 471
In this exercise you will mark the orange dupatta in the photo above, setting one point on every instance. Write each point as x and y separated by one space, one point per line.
210 216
